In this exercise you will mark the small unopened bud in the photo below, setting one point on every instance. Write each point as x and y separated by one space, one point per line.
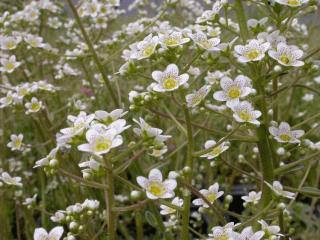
135 195
281 206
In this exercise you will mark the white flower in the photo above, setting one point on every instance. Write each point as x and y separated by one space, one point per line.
30 201
42 234
273 38
212 194
34 41
146 47
214 77
277 188
287 55
194 99
233 90
200 38
9 64
169 80
156 188
244 112
253 51
254 22
172 39
16 142
165 210
222 233
51 158
108 118
284 134
158 153
253 197
6 178
7 100
34 106
100 143
79 124
8 42
292 3
248 234
147 131
217 150
209 15
269 230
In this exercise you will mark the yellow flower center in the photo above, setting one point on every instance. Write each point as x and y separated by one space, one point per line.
35 106
234 92
10 66
148 50
211 197
244 115
171 41
206 44
102 144
156 188
10 44
284 59
22 92
253 54
17 143
294 2
170 83
222 237
33 43
216 151
285 137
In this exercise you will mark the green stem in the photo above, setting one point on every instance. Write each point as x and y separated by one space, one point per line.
241 20
189 163
139 225
93 52
109 198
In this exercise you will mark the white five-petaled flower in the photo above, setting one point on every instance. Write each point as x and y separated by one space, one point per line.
34 41
269 230
165 210
108 118
194 99
42 234
6 178
173 39
223 233
284 134
169 80
273 38
292 3
16 142
244 112
9 42
253 51
34 106
100 142
217 150
9 64
146 47
253 197
209 15
248 234
155 187
233 90
201 39
287 55
214 77
212 194
78 125
277 188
